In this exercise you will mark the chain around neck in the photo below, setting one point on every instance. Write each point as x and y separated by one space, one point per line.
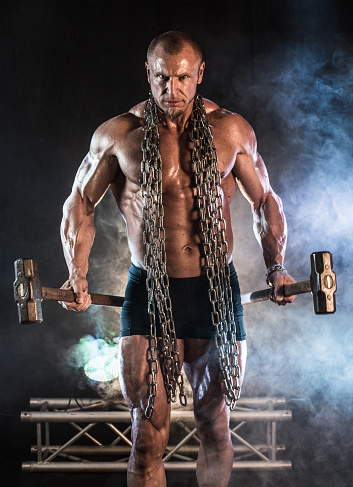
210 203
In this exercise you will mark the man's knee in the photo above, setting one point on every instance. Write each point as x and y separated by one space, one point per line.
149 440
213 427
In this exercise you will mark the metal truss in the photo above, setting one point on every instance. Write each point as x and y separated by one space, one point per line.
253 428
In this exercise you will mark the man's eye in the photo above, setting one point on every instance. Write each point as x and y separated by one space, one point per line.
163 77
181 78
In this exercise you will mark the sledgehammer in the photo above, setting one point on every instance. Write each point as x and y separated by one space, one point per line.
29 294
322 285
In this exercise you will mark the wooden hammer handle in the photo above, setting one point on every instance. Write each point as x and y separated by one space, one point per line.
288 290
53 294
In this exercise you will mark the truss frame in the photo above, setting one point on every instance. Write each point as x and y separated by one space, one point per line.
84 451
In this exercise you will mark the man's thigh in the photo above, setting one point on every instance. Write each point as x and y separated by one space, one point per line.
201 365
134 378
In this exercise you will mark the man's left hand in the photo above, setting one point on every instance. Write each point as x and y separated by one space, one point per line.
277 280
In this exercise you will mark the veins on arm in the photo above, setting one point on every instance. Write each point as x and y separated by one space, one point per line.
269 222
93 179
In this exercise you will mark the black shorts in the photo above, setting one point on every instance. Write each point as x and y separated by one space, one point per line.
190 303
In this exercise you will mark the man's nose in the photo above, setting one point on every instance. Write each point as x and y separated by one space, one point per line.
173 86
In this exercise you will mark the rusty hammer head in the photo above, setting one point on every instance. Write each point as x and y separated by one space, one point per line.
28 291
323 283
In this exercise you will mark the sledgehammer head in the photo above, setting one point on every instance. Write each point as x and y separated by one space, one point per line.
323 283
28 291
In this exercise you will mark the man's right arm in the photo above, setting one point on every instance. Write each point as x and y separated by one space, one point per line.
93 178
269 220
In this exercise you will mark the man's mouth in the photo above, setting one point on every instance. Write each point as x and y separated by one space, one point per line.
173 103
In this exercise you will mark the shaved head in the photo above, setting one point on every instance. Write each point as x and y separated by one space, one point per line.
172 43
174 69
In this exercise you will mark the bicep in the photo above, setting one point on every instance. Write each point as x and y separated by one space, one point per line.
94 176
252 178
249 169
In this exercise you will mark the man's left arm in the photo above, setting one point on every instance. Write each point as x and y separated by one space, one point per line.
270 226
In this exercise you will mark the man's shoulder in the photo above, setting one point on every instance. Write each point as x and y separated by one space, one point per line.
221 115
116 128
230 125
228 122
138 110
120 123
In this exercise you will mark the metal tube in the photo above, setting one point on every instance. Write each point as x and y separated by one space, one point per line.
73 439
77 416
274 440
188 431
176 448
39 435
238 426
261 401
67 456
251 447
39 443
122 436
124 416
269 436
62 402
78 428
122 467
117 440
125 449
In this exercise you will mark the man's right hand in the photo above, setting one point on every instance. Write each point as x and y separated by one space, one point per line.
79 285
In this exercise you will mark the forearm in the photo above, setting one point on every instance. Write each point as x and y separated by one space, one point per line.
77 234
270 229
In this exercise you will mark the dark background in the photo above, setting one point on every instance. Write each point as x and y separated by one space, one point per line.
286 67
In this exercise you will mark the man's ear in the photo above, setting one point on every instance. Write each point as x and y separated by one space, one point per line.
148 71
201 71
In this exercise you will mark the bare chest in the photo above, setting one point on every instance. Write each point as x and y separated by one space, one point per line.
176 154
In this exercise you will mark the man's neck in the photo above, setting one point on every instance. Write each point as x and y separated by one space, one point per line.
178 124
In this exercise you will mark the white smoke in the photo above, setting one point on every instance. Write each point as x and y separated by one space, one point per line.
292 352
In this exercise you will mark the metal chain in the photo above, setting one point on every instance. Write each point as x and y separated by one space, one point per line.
213 227
209 199
157 282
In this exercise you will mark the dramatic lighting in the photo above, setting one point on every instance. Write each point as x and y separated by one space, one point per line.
102 368
99 358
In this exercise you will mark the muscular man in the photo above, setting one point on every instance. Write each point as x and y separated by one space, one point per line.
174 69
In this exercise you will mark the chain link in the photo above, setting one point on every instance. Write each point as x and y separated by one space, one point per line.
213 227
157 282
212 223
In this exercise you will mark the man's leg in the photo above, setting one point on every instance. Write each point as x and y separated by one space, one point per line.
149 436
201 364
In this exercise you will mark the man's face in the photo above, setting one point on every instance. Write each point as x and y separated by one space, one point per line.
173 79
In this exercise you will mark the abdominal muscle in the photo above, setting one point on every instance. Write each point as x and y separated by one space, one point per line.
183 239
185 255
